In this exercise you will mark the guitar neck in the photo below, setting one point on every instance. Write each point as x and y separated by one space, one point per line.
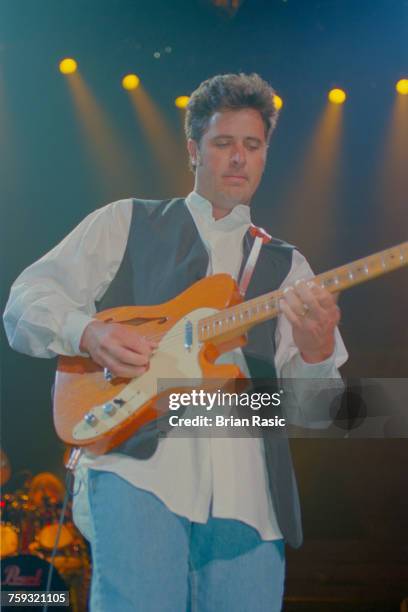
237 320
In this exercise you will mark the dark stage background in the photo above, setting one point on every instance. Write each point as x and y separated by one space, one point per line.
354 492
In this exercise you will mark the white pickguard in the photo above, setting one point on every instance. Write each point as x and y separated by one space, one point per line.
172 360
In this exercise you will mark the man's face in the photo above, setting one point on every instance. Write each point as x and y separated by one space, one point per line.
230 158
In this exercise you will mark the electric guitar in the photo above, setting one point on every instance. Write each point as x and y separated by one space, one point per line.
98 412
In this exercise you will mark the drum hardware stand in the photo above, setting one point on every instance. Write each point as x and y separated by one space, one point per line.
70 464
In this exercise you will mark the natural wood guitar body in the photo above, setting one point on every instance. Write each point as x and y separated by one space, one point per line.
80 383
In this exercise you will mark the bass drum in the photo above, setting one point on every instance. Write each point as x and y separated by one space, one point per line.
29 574
19 523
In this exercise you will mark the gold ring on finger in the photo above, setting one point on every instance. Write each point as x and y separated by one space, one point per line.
305 310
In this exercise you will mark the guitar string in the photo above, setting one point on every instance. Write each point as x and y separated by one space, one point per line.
271 301
182 333
170 336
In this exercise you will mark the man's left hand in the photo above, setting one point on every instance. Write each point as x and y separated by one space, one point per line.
313 314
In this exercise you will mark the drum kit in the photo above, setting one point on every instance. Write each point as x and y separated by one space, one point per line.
31 540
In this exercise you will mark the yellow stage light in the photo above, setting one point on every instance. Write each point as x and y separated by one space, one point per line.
130 81
182 101
337 96
68 65
402 87
278 102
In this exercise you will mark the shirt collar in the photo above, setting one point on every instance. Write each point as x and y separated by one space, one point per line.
201 210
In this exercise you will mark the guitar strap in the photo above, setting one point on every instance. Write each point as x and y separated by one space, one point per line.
260 237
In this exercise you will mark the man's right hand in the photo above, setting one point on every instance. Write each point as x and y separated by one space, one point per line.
120 348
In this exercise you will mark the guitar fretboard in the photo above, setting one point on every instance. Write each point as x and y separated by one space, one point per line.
238 319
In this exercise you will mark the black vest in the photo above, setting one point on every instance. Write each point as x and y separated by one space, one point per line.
164 256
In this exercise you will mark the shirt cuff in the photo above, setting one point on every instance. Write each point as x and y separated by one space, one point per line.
73 329
323 369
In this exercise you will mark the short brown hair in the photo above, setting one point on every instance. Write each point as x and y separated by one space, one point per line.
229 92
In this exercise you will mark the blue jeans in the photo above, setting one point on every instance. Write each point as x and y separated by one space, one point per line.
148 559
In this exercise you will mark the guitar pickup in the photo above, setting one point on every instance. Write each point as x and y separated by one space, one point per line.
188 335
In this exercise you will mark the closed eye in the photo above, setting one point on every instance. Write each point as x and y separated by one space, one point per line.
252 144
222 143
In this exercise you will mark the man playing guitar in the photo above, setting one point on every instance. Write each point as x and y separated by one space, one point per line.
184 523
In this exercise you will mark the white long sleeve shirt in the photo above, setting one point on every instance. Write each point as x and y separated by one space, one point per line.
53 300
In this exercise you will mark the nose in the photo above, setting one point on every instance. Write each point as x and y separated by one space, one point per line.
238 156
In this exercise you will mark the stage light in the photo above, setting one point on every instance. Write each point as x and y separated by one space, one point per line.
68 65
402 87
182 101
337 96
130 81
278 102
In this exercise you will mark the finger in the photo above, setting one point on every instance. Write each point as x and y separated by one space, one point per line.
325 303
122 370
127 357
289 313
293 300
328 303
306 294
133 341
323 296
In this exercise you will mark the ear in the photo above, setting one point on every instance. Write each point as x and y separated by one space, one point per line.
193 151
